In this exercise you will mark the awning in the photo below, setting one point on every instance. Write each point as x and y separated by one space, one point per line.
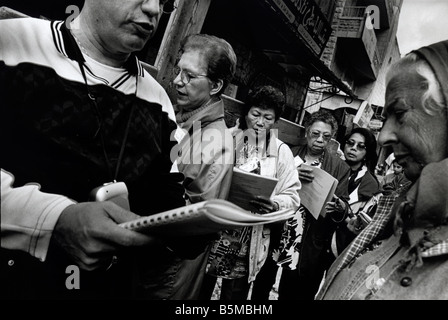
337 101
308 63
325 73
298 47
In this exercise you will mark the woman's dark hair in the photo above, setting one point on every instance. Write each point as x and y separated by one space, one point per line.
264 97
370 142
219 54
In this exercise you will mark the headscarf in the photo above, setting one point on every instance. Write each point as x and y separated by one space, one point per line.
436 55
433 186
426 202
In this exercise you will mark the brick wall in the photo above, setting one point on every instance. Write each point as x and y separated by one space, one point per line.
329 51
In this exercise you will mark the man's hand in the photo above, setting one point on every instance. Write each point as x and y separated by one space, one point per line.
90 234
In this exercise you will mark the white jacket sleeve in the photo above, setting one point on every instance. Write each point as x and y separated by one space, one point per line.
28 216
289 185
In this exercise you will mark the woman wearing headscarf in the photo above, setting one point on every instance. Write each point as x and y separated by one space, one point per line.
403 253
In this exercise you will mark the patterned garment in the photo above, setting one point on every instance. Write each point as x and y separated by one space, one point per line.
248 158
229 256
437 250
287 255
51 119
370 233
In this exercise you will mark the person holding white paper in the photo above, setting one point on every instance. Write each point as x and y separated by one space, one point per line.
79 111
304 253
239 255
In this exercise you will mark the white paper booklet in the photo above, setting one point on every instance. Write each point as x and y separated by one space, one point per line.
203 218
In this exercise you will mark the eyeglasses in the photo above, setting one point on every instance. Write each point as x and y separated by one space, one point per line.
317 134
167 6
186 76
359 145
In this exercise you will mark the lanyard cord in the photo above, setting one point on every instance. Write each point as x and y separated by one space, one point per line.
100 125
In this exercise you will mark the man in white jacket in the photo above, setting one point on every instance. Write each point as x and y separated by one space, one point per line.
79 111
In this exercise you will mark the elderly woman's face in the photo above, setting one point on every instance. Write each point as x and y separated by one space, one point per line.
198 90
260 119
417 138
317 136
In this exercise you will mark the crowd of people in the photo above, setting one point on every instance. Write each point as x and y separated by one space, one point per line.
80 111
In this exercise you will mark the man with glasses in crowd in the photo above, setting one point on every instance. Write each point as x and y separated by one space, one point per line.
79 111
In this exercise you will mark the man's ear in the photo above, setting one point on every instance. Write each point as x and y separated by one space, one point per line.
216 86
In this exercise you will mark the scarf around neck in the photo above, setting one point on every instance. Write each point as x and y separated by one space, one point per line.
183 116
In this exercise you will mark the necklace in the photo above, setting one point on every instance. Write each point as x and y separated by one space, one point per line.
313 161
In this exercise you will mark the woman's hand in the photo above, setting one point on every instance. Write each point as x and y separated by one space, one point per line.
355 225
337 207
265 205
233 130
306 173
359 222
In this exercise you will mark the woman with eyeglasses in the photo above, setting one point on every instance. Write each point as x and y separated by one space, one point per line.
205 68
304 252
304 248
360 154
205 156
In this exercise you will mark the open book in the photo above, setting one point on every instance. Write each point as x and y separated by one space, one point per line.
315 195
247 186
201 218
